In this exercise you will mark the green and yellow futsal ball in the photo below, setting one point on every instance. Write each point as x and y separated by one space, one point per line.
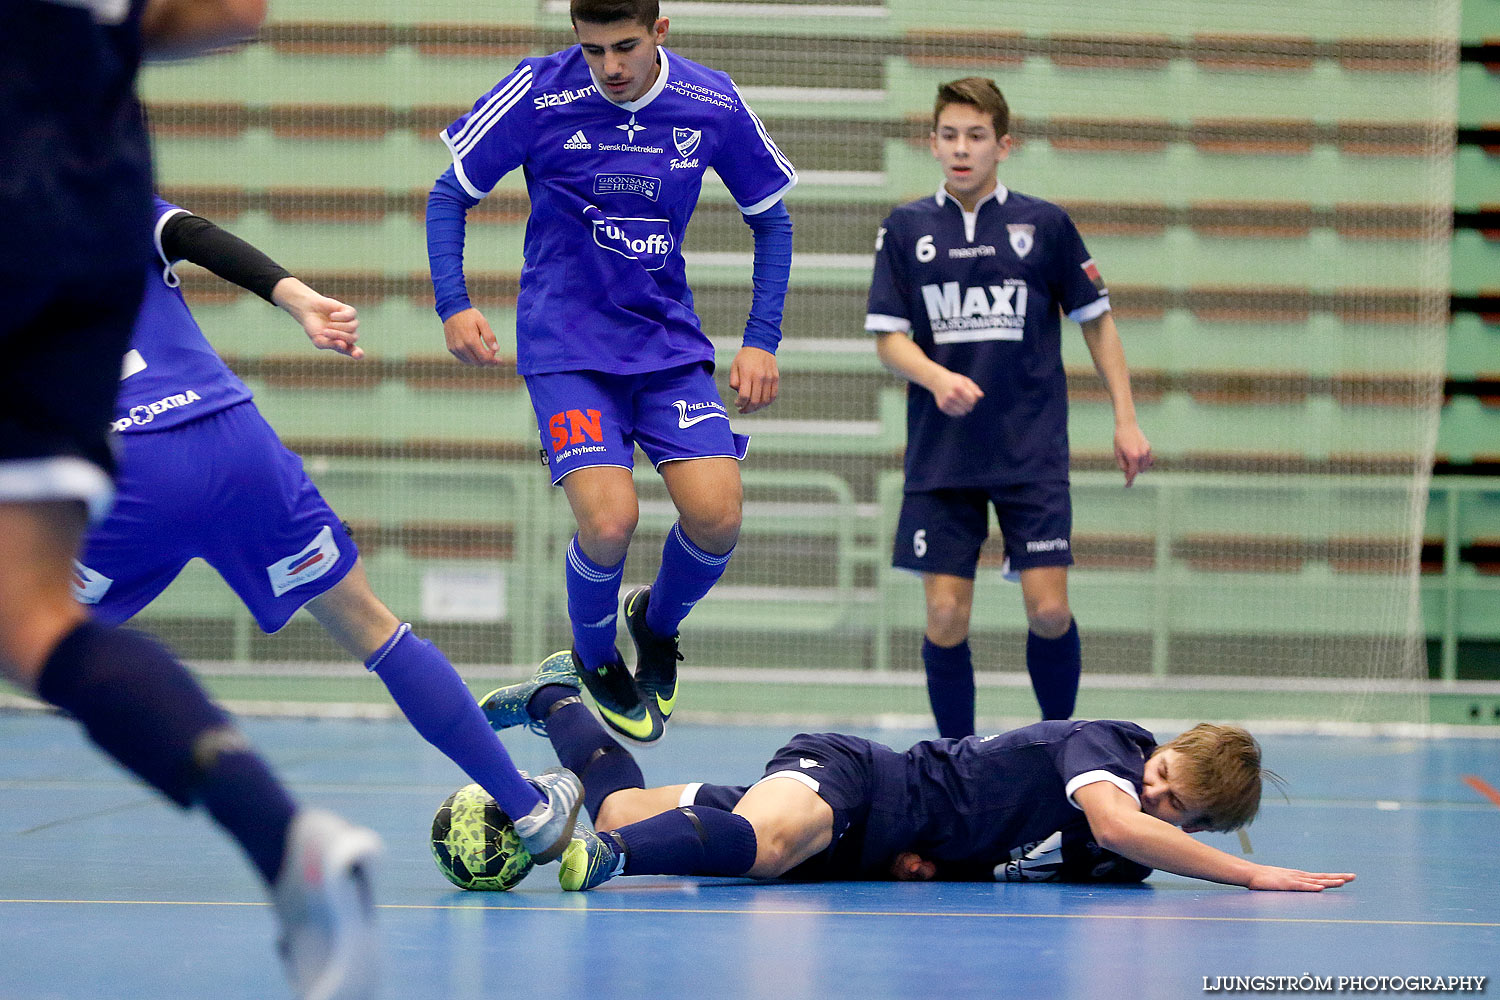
476 845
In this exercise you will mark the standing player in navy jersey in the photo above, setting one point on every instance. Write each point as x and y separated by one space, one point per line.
202 475
614 136
965 302
75 190
1083 801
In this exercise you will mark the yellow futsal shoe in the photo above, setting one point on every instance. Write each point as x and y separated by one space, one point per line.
590 860
655 658
620 703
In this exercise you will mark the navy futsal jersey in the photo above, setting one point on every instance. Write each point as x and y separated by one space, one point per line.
75 165
612 186
981 293
974 800
171 373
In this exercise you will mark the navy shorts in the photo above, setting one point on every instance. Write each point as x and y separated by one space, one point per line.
222 488
595 418
941 531
61 345
839 768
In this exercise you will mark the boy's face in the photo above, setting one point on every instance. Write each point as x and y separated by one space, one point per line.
1161 796
622 55
965 143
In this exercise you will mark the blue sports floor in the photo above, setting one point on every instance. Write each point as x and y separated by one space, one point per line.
107 892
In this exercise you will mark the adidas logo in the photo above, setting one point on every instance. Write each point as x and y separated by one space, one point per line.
578 141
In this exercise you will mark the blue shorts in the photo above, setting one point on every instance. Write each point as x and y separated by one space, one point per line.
840 769
941 531
595 418
224 489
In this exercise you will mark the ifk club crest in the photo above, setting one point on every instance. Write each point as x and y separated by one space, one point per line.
686 140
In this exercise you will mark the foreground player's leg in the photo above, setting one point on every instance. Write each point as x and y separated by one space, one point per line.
133 698
143 708
440 707
606 510
945 653
1054 656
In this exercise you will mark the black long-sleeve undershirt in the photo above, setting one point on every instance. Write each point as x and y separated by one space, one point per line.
188 237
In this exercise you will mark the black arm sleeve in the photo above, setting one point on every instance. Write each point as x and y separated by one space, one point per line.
187 237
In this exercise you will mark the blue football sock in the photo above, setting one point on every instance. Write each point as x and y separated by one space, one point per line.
593 593
583 747
440 706
144 709
1054 666
689 840
950 687
687 573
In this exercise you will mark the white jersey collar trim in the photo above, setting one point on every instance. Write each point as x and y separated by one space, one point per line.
971 219
1000 194
648 96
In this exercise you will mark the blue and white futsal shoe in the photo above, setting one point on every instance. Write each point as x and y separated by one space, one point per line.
506 707
548 828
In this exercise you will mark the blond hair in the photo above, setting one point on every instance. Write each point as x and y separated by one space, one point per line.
978 92
1218 769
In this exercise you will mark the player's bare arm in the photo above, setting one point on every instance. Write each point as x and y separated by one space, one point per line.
470 338
954 393
177 28
1132 450
755 377
1119 825
330 324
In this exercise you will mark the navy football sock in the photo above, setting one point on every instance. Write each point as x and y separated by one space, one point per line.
687 574
143 708
593 593
440 706
583 747
950 687
689 840
1055 666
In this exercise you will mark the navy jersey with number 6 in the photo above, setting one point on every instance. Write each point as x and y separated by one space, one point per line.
981 293
612 187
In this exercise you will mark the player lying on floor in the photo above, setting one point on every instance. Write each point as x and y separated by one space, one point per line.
840 807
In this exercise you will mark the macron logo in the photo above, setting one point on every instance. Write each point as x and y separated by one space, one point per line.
807 762
578 141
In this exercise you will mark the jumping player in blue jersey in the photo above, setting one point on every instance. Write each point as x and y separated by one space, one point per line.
1084 801
202 475
965 303
76 202
614 136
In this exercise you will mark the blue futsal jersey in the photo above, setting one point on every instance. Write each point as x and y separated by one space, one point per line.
171 373
612 187
973 800
981 293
